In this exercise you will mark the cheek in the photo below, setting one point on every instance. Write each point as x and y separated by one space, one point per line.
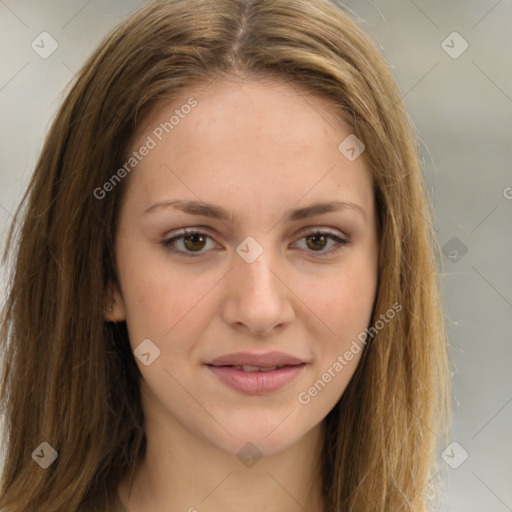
345 307
160 299
165 308
343 300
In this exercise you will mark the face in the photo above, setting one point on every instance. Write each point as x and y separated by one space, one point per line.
263 277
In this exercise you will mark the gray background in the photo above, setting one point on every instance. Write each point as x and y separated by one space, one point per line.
462 110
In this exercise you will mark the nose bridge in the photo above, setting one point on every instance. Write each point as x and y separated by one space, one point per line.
257 278
257 296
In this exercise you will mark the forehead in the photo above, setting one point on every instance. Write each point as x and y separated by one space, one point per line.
244 137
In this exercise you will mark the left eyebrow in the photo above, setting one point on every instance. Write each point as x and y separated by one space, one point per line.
201 208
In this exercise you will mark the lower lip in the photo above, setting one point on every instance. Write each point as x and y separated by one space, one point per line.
256 383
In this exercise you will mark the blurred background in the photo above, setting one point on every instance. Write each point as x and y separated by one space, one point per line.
453 63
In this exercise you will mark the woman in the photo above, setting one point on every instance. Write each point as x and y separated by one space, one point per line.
224 291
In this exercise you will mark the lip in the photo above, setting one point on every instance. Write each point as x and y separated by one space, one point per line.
252 359
257 382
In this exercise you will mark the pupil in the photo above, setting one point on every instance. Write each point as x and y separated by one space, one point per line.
194 239
318 237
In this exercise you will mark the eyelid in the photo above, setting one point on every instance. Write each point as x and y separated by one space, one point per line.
324 230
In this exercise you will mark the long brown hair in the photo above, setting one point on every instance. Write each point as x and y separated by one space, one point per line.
69 378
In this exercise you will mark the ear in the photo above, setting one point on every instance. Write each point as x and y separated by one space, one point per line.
114 299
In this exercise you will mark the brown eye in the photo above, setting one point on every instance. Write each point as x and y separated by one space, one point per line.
317 241
194 242
188 243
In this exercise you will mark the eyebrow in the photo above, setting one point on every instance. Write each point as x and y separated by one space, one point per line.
201 208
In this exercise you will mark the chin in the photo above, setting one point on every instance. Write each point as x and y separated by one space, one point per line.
257 438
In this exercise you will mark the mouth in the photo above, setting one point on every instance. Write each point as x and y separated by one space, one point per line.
249 361
256 374
248 368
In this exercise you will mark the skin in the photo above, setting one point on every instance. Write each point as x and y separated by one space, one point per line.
257 149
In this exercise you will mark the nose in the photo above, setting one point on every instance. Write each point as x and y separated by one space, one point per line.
258 298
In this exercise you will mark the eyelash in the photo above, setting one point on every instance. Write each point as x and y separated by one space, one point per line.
340 242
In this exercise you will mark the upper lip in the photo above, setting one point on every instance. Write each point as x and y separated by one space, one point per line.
250 359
